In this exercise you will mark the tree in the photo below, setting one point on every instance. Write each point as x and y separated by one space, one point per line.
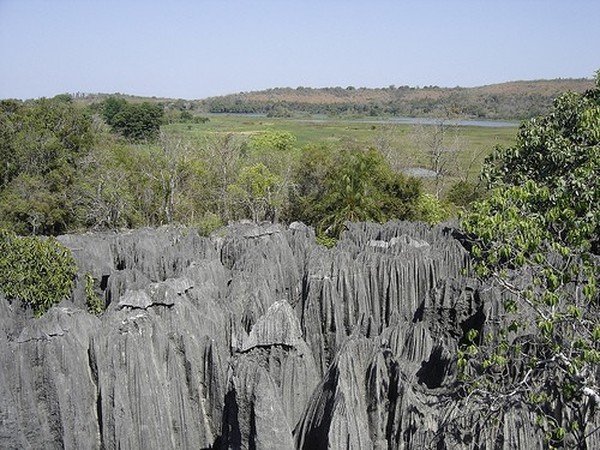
259 191
269 143
463 193
308 185
387 142
275 150
10 117
136 121
49 134
67 98
111 107
103 191
351 195
34 204
331 186
40 143
186 116
440 142
222 154
179 172
536 238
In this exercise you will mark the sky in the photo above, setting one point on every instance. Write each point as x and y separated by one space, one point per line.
194 49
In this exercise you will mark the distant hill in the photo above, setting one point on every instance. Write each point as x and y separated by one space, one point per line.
511 100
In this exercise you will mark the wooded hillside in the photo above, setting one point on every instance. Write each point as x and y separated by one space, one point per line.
510 100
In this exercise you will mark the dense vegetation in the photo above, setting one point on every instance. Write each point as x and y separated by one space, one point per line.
335 187
68 167
536 237
41 144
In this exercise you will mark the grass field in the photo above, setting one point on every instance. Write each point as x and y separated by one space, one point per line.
473 142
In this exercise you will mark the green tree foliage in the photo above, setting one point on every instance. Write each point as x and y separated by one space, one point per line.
208 223
40 143
67 98
186 116
432 210
111 107
273 140
352 194
61 172
123 186
42 136
40 272
334 187
314 166
36 204
136 122
222 155
277 151
10 122
181 175
537 239
106 187
58 175
258 191
464 193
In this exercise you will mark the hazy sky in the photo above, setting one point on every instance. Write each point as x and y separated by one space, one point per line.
193 49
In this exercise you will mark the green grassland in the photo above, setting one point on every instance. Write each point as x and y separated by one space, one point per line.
310 131
473 143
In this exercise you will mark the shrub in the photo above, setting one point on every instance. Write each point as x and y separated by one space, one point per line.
464 193
432 210
93 301
209 223
40 272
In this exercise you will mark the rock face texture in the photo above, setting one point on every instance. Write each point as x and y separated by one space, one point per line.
253 338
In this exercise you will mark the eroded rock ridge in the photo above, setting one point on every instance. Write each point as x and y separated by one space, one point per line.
253 338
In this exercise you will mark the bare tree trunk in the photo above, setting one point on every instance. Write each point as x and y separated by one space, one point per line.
175 153
440 143
222 156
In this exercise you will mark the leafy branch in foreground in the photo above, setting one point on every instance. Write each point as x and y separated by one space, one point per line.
536 240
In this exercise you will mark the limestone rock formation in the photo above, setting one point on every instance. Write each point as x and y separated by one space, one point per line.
253 338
